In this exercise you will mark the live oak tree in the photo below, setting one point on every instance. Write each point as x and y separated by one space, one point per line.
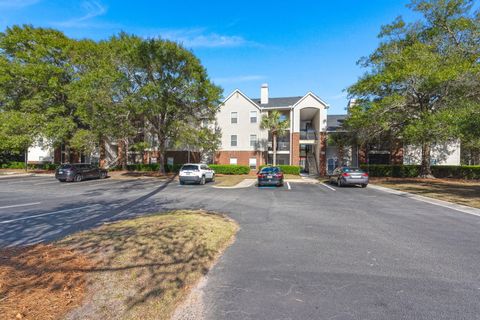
173 91
277 127
420 76
35 74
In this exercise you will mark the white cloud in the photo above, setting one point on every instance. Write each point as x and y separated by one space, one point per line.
199 38
92 9
237 79
17 3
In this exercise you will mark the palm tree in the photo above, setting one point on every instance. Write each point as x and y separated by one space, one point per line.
276 126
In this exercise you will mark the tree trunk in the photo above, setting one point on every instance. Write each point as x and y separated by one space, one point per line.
425 169
26 159
274 144
161 155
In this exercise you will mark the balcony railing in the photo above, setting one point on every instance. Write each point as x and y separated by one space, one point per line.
281 146
308 135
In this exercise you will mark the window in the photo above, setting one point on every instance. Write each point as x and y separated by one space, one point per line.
233 160
234 117
233 140
253 140
283 117
253 116
170 161
252 162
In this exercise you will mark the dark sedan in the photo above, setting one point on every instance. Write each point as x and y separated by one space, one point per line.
79 171
270 176
345 176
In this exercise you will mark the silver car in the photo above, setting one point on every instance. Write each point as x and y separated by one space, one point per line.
345 176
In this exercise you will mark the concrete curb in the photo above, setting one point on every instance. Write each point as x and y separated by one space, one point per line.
243 184
15 175
441 203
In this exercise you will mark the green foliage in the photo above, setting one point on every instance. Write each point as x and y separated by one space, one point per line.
272 122
229 169
21 165
287 169
420 76
412 171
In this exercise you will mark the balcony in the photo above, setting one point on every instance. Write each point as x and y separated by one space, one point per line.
281 146
308 135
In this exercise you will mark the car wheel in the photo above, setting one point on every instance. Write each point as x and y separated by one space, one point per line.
78 178
213 178
103 175
202 180
364 185
339 183
182 182
62 180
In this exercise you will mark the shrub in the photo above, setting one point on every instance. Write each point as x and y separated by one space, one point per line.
230 169
288 169
13 165
412 171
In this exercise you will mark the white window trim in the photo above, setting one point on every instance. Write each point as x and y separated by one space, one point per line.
236 161
254 141
236 140
231 113
256 116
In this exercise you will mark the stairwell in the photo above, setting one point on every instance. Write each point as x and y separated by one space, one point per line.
312 164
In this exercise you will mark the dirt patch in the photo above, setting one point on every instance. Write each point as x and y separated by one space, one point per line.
464 192
41 281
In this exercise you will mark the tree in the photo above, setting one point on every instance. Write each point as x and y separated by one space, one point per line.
420 74
35 72
277 127
173 91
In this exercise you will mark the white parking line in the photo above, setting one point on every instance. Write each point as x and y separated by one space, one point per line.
20 205
326 185
48 213
288 186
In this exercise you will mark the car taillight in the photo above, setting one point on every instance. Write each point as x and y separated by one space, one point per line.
260 175
345 174
279 175
364 174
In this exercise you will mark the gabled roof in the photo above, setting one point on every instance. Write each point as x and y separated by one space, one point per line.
243 95
278 102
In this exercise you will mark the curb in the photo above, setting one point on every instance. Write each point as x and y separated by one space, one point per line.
246 183
441 203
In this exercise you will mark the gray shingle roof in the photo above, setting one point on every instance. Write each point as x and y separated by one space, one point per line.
278 102
334 121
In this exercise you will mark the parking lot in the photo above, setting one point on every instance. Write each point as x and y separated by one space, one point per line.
304 251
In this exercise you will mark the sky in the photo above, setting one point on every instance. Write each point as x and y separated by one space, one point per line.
294 46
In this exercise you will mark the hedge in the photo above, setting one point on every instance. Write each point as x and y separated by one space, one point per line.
151 167
288 169
413 171
229 169
21 165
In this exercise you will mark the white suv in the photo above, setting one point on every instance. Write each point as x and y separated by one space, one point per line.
196 172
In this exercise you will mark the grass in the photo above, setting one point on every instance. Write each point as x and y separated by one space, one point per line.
456 191
231 180
134 269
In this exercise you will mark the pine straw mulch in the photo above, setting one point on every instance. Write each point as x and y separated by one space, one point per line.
41 281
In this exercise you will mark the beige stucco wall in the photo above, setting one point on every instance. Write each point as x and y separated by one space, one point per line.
310 102
442 154
243 129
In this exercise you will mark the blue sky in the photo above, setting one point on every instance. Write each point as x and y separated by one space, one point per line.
294 46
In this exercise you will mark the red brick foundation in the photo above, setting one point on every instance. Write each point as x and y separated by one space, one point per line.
243 157
295 149
322 159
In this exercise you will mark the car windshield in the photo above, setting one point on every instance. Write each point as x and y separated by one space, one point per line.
65 166
352 170
190 167
270 170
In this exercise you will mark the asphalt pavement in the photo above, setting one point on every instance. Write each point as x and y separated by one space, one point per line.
304 251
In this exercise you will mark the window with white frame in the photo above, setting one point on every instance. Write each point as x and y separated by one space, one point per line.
253 140
253 116
234 117
233 140
233 160
252 163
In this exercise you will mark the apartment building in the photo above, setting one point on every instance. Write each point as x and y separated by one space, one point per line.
245 143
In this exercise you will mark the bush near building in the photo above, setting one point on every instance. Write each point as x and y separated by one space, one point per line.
413 171
286 169
229 169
